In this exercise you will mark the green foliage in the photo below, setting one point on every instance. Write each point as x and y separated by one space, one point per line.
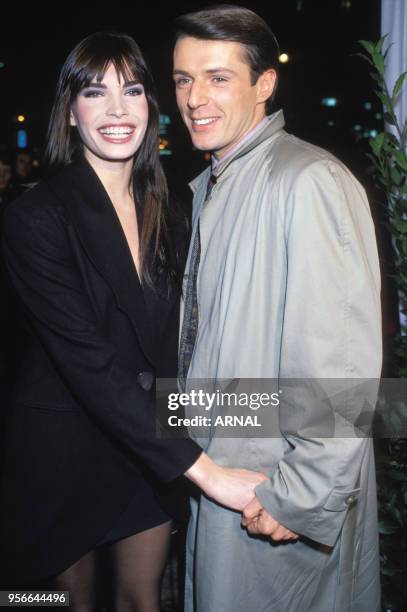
392 496
390 165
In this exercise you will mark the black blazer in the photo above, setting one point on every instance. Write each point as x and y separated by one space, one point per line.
83 424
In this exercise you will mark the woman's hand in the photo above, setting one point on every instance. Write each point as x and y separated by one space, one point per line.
230 487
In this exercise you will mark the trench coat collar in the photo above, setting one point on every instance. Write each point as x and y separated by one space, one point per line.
274 124
101 234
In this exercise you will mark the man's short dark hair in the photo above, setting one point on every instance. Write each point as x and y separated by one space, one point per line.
234 24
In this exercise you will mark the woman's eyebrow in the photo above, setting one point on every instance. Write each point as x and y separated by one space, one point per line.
97 85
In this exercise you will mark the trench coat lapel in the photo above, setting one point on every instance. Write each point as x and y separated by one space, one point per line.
103 239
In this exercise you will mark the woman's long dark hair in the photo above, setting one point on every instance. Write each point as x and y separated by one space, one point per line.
89 61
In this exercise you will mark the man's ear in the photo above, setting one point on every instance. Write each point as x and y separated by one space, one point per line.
265 85
72 121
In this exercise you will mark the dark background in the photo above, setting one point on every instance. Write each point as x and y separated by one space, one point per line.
319 35
321 38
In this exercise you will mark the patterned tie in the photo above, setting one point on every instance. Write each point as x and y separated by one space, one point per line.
191 315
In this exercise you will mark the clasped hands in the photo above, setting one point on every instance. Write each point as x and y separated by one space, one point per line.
258 521
235 489
238 492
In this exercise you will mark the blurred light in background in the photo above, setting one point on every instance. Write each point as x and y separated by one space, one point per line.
283 58
164 122
164 144
331 102
20 118
21 139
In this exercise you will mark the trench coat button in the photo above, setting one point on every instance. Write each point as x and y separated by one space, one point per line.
350 500
145 380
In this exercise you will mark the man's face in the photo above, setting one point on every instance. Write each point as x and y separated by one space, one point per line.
216 99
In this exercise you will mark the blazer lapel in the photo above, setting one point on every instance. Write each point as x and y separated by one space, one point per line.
102 236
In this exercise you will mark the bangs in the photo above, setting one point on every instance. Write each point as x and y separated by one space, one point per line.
96 70
92 61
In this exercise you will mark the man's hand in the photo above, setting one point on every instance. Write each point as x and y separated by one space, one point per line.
233 488
258 521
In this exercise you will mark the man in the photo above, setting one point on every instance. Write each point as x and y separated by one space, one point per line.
282 282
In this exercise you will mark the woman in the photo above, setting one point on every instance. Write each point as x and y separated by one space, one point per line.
89 256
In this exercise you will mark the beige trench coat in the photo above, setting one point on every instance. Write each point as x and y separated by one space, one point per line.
288 287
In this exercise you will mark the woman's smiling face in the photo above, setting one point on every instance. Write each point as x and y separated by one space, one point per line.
111 117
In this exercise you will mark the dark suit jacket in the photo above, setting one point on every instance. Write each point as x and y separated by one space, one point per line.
83 427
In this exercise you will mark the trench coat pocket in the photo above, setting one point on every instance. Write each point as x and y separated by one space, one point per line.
339 500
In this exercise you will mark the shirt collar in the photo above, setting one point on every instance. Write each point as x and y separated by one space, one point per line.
273 124
216 162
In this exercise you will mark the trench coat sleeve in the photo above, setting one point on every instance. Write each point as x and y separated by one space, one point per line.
46 277
331 330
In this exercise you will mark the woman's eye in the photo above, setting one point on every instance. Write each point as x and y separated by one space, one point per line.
92 93
135 91
182 82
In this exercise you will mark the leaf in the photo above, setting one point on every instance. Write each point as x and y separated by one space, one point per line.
397 515
368 46
393 140
389 119
378 62
401 159
400 225
376 77
374 162
375 146
399 84
380 140
365 57
379 45
387 50
405 247
395 175
385 100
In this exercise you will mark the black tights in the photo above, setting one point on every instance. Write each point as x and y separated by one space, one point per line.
137 565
